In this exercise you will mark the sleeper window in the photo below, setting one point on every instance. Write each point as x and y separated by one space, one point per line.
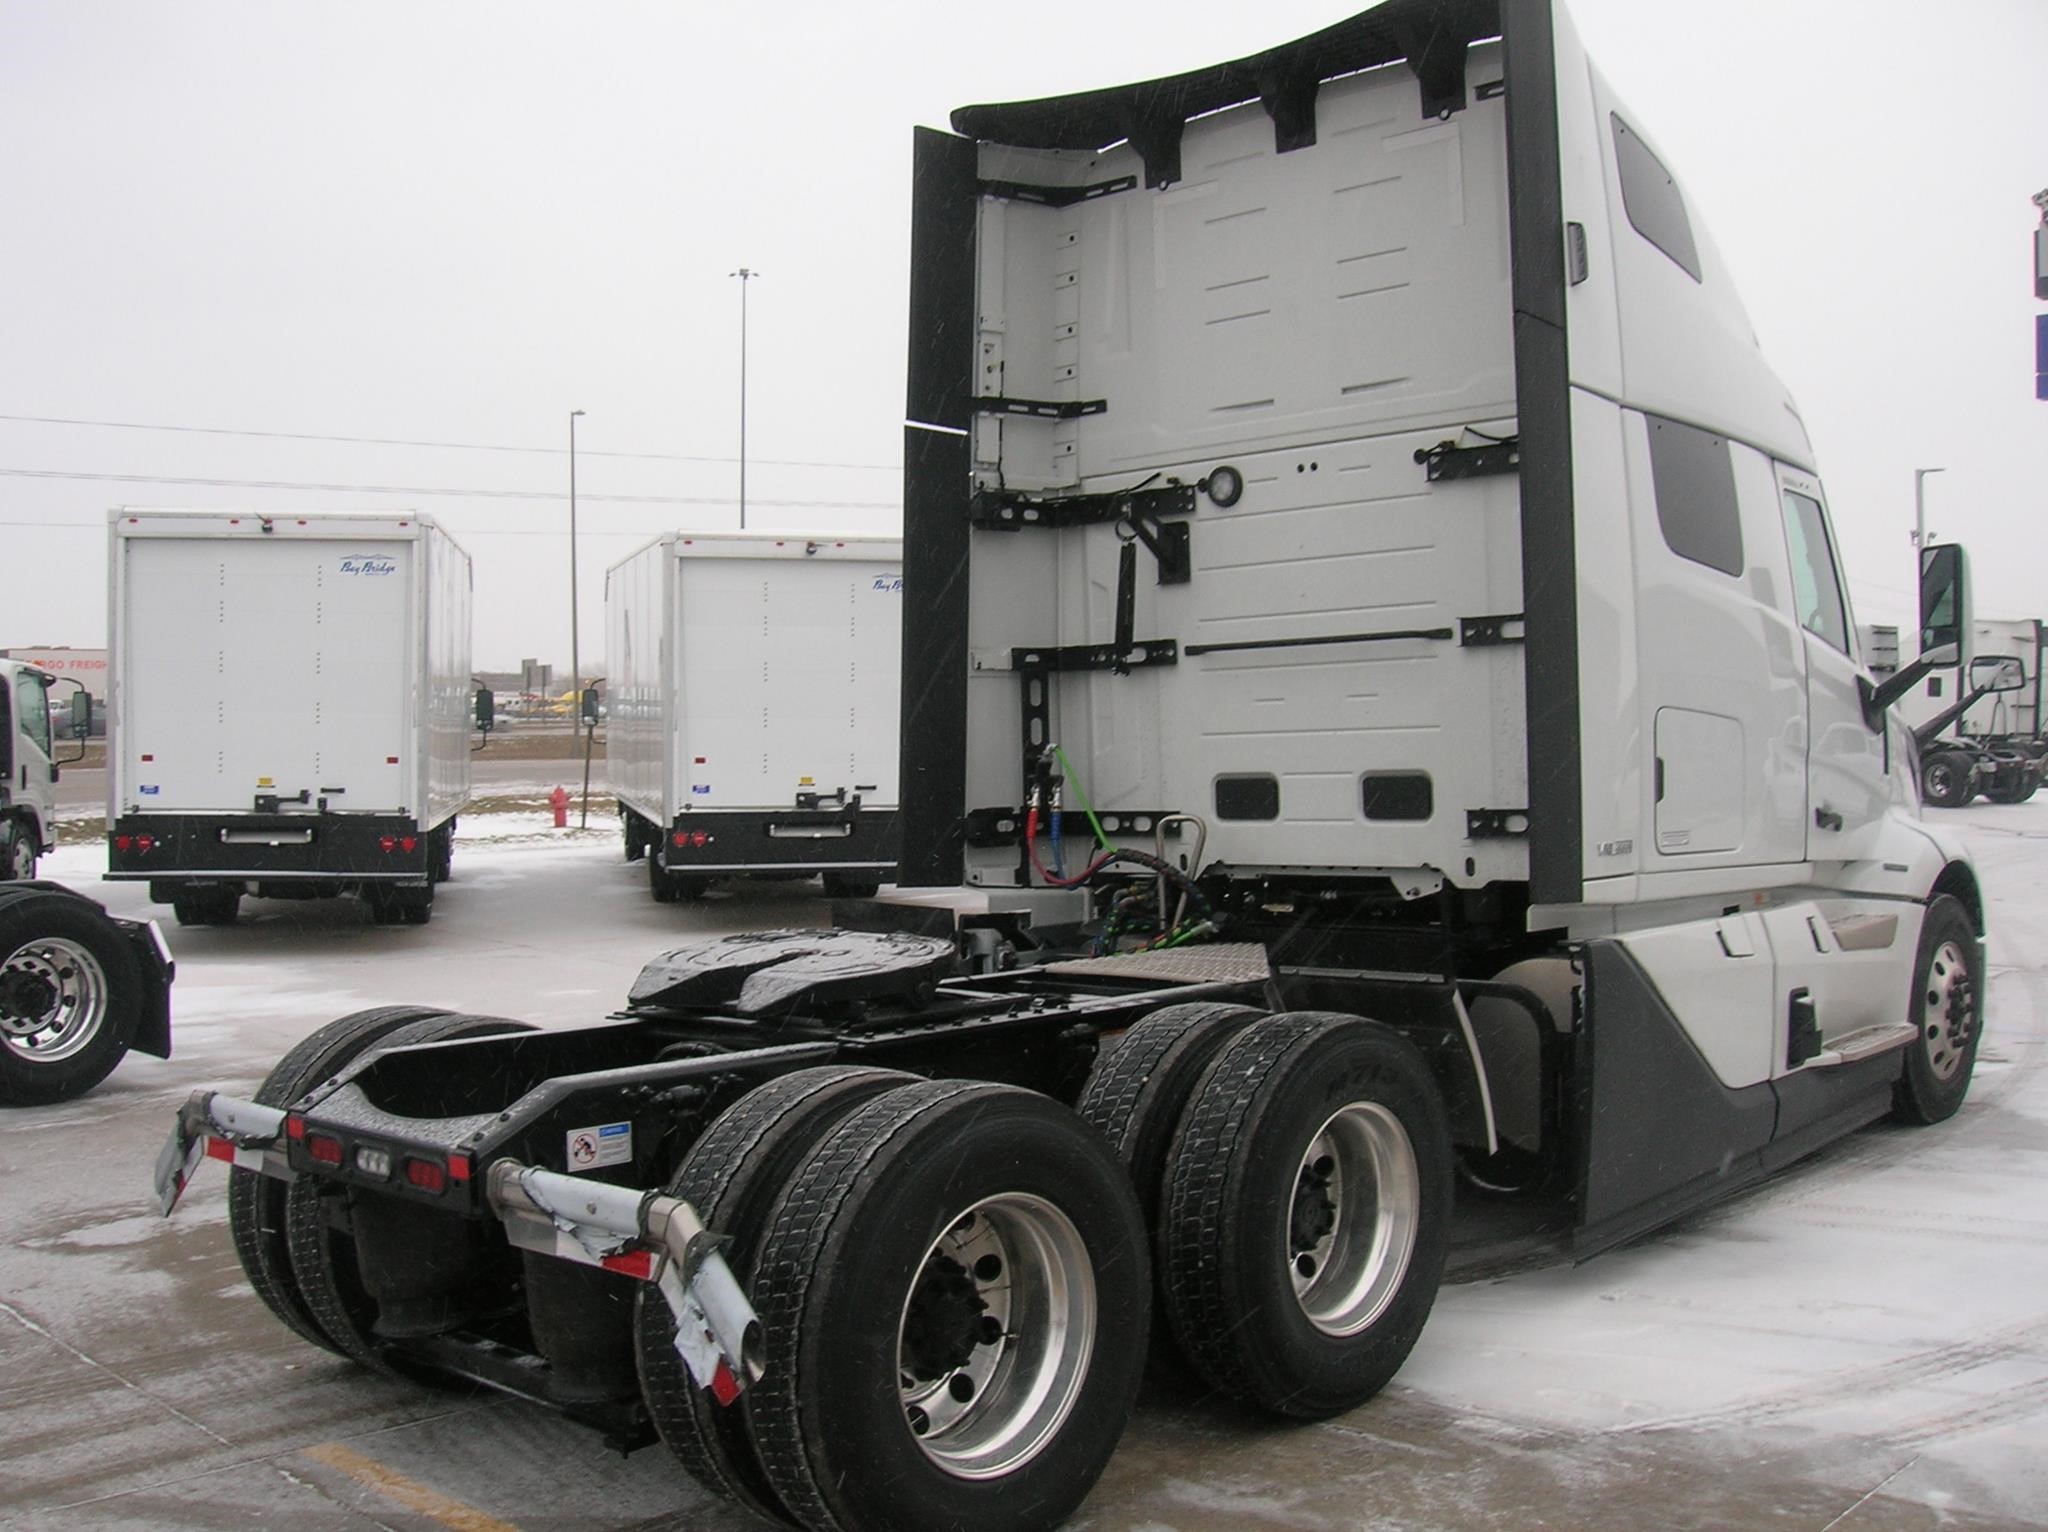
1694 481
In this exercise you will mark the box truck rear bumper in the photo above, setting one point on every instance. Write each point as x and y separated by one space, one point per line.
268 848
734 842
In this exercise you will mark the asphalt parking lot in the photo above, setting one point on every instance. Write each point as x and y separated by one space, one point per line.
1861 1343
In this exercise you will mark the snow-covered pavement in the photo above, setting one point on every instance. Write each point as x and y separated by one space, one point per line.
1860 1343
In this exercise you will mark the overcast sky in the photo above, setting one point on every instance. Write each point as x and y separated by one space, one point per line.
454 223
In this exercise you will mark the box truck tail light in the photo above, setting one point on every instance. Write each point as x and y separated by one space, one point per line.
123 842
695 840
134 842
325 1149
427 1175
408 843
385 843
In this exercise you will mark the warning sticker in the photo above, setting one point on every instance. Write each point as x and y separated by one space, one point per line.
609 1143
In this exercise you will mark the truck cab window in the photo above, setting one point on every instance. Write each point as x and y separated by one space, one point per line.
34 705
1695 485
1816 587
1656 207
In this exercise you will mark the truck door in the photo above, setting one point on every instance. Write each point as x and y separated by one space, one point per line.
1847 783
32 775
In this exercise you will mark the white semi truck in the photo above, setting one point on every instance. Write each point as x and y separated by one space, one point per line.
291 709
78 988
1382 712
752 708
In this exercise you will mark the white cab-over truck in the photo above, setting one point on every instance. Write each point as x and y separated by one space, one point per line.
78 988
752 708
1381 709
291 709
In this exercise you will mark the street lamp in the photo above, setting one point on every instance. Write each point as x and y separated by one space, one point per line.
575 652
745 275
1920 504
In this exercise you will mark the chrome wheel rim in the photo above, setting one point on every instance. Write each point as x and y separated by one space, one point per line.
21 858
995 1335
1948 1010
1354 1218
53 998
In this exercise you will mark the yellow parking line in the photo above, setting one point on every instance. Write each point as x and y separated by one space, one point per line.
410 1493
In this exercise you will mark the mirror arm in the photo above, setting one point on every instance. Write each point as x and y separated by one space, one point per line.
1878 697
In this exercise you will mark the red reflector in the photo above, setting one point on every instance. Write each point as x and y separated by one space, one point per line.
295 1127
409 843
327 1151
681 837
123 842
427 1175
219 1149
699 838
458 1167
390 760
638 1264
385 844
149 758
724 1386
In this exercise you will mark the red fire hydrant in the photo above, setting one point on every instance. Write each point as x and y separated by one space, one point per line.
558 800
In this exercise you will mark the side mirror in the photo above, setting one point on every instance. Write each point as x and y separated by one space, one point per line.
590 706
81 714
1944 603
1997 673
486 709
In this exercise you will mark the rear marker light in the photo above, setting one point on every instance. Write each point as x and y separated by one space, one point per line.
373 1162
458 1167
427 1175
295 1127
324 1150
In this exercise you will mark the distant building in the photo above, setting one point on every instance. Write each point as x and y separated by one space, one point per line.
88 667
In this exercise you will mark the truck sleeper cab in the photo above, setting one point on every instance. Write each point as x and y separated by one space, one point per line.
1403 783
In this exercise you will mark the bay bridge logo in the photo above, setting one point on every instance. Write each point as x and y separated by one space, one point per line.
892 583
369 566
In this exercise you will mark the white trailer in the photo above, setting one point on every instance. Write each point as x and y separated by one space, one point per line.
752 708
291 708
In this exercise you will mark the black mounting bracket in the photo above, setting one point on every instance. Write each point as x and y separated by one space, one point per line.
1056 196
1289 97
1447 460
1122 659
1139 509
1483 632
1005 826
1496 824
1438 58
1040 409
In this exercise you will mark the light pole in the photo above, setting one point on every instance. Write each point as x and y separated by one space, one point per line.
745 275
575 652
1920 504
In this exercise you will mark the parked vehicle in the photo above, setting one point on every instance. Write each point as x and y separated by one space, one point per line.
753 708
1376 758
78 988
291 709
1982 735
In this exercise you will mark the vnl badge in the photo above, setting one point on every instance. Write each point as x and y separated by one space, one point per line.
608 1143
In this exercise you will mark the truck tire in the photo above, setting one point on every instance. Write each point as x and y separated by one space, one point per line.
955 1295
634 837
207 906
732 1177
70 996
1945 779
1947 1008
256 1203
2021 786
443 845
323 1257
669 887
18 852
1307 1212
851 885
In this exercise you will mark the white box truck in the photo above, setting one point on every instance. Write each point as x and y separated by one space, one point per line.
752 707
1346 476
291 708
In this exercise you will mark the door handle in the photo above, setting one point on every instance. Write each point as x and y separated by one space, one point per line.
1827 818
